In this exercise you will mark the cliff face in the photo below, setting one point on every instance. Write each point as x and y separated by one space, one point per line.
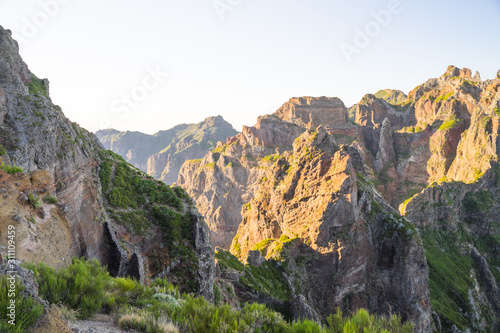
341 243
161 155
445 130
226 178
63 204
460 229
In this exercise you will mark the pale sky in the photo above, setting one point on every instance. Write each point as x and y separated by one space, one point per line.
240 58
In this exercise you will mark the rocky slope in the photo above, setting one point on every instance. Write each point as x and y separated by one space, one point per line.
76 199
162 154
340 243
443 131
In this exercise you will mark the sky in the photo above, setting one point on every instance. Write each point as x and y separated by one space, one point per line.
152 64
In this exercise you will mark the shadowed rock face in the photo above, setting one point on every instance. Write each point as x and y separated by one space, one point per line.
161 155
349 249
57 203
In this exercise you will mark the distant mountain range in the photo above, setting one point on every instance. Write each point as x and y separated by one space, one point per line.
161 155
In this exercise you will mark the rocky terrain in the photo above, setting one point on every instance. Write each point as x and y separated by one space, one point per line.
390 204
69 197
442 136
161 155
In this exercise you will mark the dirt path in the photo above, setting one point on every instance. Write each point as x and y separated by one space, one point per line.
97 324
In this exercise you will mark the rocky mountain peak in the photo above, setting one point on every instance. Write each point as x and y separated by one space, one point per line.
311 112
460 72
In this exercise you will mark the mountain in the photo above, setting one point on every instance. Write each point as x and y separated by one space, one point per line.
69 197
433 153
340 244
162 154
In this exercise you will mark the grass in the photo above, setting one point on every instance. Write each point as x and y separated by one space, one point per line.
449 124
445 97
449 277
10 169
476 206
267 280
263 245
270 158
227 260
3 151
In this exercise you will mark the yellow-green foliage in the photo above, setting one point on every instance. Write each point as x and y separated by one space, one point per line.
227 260
159 307
10 169
271 158
263 245
276 250
449 124
445 97
27 310
80 286
3 151
34 200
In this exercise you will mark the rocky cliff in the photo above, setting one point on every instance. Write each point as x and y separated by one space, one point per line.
67 196
161 155
340 244
443 132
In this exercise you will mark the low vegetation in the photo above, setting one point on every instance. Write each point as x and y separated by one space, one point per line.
27 310
34 201
143 205
449 124
10 169
85 288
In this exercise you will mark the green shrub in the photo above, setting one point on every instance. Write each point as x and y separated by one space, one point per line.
10 169
362 321
34 200
80 286
85 287
3 151
50 199
27 309
36 87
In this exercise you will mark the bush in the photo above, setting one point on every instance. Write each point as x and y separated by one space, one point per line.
362 321
10 169
34 200
85 287
27 309
3 151
80 286
50 199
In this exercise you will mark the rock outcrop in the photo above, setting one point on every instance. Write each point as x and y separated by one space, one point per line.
225 178
161 155
68 197
341 243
